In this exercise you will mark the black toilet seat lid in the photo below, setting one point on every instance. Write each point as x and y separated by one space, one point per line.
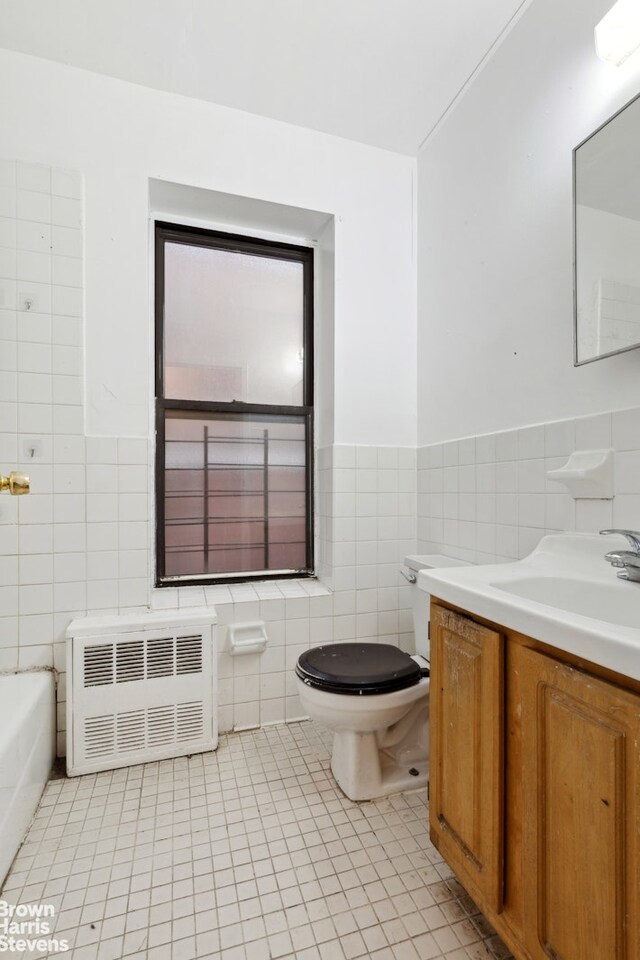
358 668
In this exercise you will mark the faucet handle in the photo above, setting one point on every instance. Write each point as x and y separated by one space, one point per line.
632 536
623 558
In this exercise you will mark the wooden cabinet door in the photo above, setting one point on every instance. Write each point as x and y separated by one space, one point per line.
467 752
581 813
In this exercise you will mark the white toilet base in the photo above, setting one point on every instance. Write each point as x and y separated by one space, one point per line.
377 740
365 772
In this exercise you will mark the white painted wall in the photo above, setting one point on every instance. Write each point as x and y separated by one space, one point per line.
119 135
495 335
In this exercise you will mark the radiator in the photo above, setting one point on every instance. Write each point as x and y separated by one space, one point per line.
140 689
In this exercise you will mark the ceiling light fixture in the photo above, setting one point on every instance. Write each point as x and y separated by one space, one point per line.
618 33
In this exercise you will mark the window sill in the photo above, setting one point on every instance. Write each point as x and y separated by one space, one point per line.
219 594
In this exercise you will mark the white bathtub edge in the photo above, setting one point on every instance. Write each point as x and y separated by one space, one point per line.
27 753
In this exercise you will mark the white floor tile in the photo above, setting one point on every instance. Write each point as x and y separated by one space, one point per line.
250 852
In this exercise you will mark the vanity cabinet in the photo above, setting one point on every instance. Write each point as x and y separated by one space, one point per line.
467 753
535 789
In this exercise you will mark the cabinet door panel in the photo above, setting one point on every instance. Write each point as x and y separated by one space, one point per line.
467 753
581 816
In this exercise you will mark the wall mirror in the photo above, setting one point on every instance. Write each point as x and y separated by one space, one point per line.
606 171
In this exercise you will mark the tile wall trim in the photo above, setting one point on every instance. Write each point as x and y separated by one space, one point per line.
487 499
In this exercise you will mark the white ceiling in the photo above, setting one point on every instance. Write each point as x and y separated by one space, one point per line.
378 71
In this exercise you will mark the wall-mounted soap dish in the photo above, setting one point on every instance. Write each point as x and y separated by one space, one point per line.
587 475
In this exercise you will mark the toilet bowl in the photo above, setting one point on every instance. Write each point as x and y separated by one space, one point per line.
375 699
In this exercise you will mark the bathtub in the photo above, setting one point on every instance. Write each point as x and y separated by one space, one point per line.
27 752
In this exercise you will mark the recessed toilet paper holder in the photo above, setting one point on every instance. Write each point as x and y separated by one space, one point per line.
250 637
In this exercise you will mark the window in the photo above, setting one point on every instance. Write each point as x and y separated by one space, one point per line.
234 407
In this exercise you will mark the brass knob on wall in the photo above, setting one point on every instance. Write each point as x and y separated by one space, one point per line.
16 483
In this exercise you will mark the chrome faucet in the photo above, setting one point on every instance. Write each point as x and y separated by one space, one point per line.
627 560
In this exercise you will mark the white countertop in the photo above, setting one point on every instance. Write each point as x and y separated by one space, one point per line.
587 610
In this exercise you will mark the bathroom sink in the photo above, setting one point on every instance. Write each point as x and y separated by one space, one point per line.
564 594
587 598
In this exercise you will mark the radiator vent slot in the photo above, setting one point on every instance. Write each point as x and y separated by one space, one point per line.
137 729
142 659
189 720
161 725
138 696
98 665
189 655
160 657
100 736
129 661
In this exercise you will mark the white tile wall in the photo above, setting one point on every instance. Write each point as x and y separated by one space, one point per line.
366 509
81 541
41 423
487 499
366 525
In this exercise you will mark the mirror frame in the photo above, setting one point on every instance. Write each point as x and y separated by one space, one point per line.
612 353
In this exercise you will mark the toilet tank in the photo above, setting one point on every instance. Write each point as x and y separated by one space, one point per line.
421 599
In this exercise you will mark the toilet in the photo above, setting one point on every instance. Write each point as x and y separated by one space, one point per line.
375 699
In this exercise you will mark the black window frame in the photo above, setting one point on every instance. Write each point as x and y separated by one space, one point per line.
166 232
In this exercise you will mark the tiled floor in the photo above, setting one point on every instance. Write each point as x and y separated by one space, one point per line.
249 853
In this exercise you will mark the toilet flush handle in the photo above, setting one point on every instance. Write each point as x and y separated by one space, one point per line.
411 577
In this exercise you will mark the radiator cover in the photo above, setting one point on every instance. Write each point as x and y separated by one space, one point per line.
140 689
